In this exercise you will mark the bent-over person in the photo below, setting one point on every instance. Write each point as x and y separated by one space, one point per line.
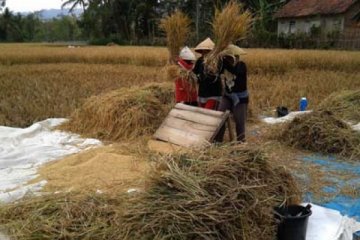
236 96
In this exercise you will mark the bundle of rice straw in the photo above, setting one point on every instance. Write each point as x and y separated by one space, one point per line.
322 131
345 104
221 193
122 114
177 29
229 25
63 216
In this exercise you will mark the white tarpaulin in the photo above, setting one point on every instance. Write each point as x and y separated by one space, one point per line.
356 127
328 224
287 118
22 151
292 115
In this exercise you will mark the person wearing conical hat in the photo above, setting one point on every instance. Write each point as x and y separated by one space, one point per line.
185 90
236 95
209 85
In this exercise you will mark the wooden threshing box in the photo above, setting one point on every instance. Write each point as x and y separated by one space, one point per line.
189 126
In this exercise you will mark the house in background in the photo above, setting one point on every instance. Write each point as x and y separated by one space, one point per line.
301 16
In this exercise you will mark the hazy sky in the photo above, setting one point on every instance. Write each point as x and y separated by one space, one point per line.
32 5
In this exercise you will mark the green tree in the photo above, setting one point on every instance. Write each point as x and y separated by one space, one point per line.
2 4
264 11
74 4
31 25
6 21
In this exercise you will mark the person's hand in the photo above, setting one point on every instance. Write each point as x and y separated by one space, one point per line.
229 60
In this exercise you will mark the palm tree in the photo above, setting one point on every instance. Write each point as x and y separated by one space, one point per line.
74 4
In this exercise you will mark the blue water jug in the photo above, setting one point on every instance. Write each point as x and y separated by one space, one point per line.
303 104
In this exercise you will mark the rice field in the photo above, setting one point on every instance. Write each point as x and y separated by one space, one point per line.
40 81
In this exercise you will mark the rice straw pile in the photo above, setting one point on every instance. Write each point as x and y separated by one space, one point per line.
177 29
323 132
221 193
345 105
229 25
63 216
122 114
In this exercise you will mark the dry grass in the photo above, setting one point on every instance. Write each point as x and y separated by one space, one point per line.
35 92
32 91
281 61
122 114
177 29
277 61
36 53
64 216
220 193
269 90
344 104
323 132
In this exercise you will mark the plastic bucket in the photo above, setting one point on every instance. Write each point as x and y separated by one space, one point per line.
292 222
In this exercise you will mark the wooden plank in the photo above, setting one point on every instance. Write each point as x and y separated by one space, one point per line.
225 117
209 112
195 117
231 134
179 137
187 128
183 124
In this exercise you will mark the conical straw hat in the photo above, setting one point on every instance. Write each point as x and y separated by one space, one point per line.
207 44
233 50
187 54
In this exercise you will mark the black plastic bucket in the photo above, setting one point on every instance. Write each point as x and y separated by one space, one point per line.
292 222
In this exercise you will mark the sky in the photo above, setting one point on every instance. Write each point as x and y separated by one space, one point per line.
32 5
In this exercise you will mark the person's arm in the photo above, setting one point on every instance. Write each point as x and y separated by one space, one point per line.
241 69
197 67
230 67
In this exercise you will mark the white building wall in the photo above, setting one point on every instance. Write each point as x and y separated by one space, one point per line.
304 25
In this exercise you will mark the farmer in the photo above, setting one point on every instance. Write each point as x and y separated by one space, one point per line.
185 89
210 88
236 96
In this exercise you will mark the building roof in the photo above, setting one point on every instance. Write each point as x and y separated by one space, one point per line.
303 8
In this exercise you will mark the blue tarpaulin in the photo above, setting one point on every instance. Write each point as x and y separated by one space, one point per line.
347 205
335 169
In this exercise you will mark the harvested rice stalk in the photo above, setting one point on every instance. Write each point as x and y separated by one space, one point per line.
177 29
64 216
174 71
122 114
322 131
345 105
221 193
229 25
